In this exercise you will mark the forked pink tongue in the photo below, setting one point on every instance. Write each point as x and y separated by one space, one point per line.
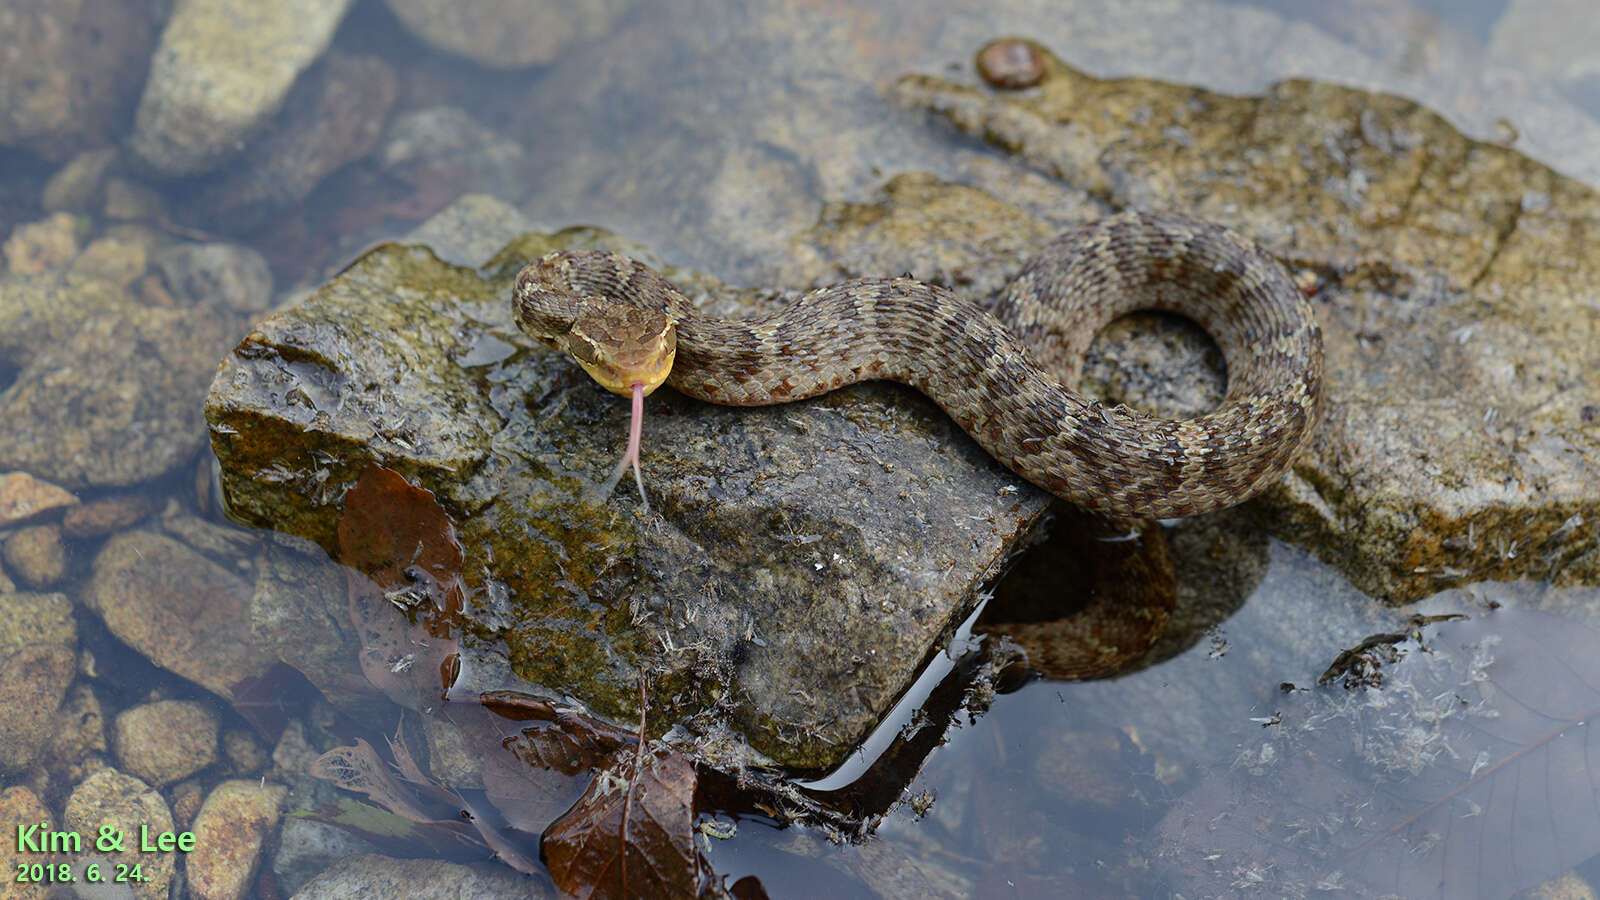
635 432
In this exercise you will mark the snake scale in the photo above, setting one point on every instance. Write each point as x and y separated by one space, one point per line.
1009 379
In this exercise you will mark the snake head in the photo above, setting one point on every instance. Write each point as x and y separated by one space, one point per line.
620 346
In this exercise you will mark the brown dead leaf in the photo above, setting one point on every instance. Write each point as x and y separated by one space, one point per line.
405 590
632 832
400 537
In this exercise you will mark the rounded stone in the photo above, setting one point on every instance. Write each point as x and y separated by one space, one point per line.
23 496
105 515
36 247
229 276
181 610
233 824
166 741
1011 64
32 682
36 555
111 802
70 72
422 879
35 619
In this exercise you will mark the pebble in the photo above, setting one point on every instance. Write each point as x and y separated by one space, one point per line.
117 260
106 515
77 186
78 747
36 555
33 681
222 275
184 612
23 496
109 799
165 741
419 879
222 69
235 822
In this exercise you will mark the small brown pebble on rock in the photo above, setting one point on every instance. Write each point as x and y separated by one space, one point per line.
1011 64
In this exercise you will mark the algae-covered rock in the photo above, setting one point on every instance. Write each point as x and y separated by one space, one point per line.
1453 282
797 565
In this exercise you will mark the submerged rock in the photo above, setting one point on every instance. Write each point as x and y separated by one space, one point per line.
111 799
507 34
70 72
1459 440
370 875
165 741
334 115
237 819
221 70
183 611
111 403
22 497
798 563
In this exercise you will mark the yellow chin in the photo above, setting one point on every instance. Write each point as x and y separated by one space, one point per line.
621 380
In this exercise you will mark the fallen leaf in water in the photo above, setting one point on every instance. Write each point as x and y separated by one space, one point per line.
632 832
405 590
399 536
358 768
1472 772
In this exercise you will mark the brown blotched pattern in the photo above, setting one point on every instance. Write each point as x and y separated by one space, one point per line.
1109 459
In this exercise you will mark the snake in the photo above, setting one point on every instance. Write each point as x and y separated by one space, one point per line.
1009 377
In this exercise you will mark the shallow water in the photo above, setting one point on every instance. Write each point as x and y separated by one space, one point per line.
711 132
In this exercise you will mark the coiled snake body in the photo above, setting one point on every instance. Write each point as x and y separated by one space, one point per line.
618 317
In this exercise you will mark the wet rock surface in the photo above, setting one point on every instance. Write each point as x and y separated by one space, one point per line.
1455 445
221 69
507 34
798 563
